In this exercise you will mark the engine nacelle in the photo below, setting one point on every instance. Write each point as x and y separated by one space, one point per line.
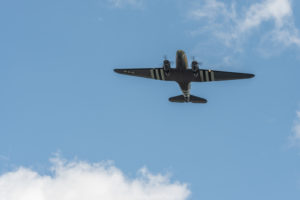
195 66
167 66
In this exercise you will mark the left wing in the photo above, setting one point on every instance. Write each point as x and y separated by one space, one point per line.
154 73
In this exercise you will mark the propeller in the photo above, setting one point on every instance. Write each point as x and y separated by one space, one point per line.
199 63
166 58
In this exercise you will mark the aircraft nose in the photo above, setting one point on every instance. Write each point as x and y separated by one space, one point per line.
180 53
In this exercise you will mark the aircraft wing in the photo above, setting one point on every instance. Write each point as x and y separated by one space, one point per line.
212 75
202 75
154 73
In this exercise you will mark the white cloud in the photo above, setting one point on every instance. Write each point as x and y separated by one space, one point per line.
295 138
233 25
124 3
82 180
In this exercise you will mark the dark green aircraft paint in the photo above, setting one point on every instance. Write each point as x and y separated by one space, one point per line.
184 75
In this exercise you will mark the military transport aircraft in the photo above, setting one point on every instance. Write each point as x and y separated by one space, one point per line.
184 76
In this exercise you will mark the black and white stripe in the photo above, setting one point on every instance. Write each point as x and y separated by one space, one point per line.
186 93
157 74
206 75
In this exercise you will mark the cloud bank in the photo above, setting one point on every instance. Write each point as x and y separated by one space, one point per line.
295 138
82 180
272 19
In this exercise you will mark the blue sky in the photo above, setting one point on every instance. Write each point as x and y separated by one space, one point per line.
59 93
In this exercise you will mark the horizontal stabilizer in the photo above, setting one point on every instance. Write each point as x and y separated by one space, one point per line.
195 99
182 99
179 99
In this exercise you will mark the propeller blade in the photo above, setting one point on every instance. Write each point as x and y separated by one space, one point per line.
194 59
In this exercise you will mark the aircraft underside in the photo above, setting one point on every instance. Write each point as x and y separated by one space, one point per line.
184 76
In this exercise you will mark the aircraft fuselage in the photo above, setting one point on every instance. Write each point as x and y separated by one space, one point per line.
181 61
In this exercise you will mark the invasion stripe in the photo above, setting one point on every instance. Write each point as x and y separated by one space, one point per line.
206 75
151 72
201 75
154 74
212 75
158 71
157 74
162 74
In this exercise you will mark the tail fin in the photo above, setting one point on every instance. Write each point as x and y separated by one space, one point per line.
182 99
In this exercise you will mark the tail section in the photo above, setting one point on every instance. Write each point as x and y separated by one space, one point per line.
182 99
178 99
195 99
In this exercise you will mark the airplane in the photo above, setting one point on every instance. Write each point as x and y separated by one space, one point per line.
184 75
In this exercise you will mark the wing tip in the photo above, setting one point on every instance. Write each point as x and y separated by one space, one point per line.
118 70
251 75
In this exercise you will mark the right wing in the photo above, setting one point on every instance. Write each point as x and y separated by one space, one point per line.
223 76
212 75
154 73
